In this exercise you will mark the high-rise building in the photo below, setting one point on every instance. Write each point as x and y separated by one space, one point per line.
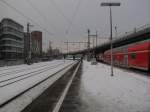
11 39
36 43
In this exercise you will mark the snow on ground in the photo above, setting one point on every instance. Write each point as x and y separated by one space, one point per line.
24 66
9 91
125 92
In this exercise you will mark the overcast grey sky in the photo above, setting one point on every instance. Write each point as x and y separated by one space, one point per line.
70 19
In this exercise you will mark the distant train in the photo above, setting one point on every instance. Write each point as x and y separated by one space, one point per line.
135 55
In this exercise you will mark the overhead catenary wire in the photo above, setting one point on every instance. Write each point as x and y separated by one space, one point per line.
69 21
59 10
54 4
40 13
74 16
28 18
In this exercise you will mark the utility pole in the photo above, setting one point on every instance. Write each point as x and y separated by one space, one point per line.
96 39
116 32
93 42
96 43
67 46
88 46
93 36
88 39
29 40
50 49
50 45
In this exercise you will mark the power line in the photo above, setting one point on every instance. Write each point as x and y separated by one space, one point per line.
60 11
39 12
70 22
74 15
22 14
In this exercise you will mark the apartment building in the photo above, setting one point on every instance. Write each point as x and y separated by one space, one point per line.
11 39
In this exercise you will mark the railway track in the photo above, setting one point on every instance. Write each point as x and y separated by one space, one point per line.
15 79
52 99
19 69
53 73
12 67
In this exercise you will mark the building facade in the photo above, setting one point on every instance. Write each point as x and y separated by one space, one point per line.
11 39
36 43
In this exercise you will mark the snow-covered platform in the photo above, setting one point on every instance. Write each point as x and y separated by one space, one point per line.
96 91
126 91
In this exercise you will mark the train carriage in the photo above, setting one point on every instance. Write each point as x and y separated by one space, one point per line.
139 55
136 55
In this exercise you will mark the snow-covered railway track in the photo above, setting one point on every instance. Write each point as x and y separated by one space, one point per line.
7 81
22 68
17 90
18 70
52 98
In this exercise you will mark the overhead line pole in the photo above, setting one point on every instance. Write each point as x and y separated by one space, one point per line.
67 47
88 46
93 36
96 39
116 35
29 40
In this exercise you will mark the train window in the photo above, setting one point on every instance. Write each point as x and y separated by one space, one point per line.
133 55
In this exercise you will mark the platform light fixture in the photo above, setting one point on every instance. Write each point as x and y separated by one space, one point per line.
110 4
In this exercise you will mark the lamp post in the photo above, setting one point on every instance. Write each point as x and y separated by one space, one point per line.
110 4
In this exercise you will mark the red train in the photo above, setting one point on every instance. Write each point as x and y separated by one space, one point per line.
136 55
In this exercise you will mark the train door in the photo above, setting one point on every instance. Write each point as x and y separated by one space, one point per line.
126 60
